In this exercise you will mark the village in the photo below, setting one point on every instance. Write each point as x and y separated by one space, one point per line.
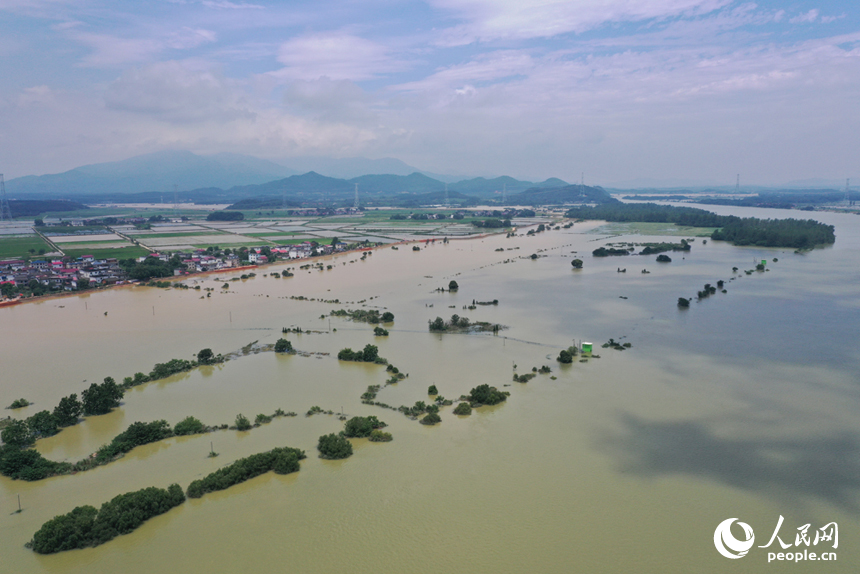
20 278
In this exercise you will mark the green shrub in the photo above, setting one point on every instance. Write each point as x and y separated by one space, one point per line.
242 423
283 346
431 419
19 404
334 446
487 395
463 408
432 390
189 425
380 436
262 419
135 435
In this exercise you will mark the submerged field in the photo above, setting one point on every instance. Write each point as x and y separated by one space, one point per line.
713 412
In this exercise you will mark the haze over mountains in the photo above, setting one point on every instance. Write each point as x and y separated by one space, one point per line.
226 178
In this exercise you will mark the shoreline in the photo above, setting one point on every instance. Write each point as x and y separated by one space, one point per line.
174 278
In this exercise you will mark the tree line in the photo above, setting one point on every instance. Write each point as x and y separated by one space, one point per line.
794 233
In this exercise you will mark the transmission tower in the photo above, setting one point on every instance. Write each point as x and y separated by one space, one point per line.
504 194
847 193
738 184
582 184
175 200
5 212
446 195
355 203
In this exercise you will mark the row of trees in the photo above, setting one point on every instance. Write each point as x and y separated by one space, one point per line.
85 526
282 460
795 233
19 462
370 354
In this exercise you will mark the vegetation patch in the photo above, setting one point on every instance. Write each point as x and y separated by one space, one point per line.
486 395
85 526
370 354
334 446
459 324
282 460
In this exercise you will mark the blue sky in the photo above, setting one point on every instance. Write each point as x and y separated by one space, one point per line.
664 90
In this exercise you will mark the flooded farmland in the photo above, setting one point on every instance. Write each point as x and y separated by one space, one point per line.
743 405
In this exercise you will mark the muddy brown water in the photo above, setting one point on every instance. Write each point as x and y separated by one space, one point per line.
743 406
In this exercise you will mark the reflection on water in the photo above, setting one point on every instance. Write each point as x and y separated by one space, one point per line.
743 405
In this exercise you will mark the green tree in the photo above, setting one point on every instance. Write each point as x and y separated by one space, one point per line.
334 446
387 317
17 433
67 412
431 390
370 353
437 324
452 285
283 346
463 408
360 427
188 425
431 419
565 357
206 356
487 395
577 263
101 399
242 423
43 424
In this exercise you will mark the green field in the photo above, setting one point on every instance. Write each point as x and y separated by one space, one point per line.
20 246
119 252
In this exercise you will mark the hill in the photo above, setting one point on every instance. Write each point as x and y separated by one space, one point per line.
155 172
561 195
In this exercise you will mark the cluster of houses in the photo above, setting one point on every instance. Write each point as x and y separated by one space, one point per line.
61 274
66 274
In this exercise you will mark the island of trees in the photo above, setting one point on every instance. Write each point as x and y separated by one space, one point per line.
85 526
794 233
282 460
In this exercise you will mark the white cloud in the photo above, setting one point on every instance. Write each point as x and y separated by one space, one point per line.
337 56
329 100
179 93
110 50
494 19
224 5
810 17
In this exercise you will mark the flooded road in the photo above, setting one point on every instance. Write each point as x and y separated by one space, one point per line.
743 405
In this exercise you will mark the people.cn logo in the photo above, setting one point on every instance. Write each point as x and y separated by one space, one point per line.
727 544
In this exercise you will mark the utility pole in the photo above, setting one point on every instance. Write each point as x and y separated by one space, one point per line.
175 199
738 184
504 193
355 203
446 195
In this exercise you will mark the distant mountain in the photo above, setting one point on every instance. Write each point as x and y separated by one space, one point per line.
350 167
561 195
155 172
390 184
484 187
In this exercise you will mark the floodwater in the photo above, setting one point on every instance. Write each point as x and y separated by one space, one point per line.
743 405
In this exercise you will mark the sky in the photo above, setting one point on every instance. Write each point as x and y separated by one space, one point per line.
618 90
